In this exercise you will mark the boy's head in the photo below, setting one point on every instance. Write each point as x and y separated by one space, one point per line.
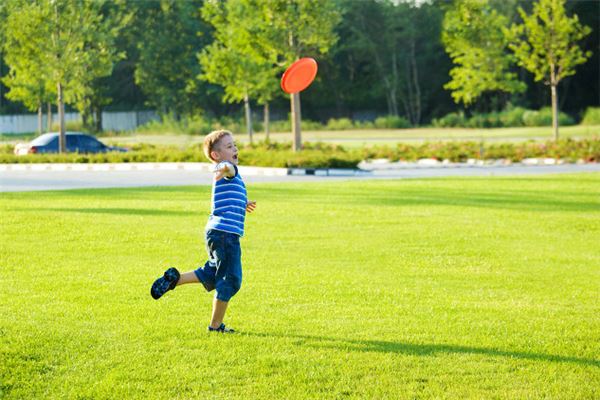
219 146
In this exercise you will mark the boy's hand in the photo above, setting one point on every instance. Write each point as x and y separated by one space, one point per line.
224 169
250 206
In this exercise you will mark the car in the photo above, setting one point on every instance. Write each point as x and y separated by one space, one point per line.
77 142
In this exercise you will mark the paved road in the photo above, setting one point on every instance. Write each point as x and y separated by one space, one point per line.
17 181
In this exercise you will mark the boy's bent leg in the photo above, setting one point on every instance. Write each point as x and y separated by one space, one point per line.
188 277
206 276
218 313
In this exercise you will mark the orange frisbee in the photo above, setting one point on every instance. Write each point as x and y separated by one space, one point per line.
299 75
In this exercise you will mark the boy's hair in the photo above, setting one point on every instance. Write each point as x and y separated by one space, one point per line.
211 141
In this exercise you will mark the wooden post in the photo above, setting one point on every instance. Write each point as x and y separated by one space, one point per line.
296 118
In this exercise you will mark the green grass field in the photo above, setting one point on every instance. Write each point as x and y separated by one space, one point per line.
433 288
358 138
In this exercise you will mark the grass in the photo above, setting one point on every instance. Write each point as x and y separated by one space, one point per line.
358 138
438 288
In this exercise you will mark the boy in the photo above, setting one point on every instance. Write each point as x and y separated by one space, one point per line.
223 270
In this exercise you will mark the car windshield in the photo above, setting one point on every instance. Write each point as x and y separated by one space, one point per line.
43 140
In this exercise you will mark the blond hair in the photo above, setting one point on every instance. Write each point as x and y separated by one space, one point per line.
211 141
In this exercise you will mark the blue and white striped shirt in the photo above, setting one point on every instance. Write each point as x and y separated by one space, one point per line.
229 198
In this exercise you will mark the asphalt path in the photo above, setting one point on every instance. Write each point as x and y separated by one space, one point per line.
30 180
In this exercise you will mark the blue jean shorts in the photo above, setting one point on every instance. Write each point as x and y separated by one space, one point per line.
223 270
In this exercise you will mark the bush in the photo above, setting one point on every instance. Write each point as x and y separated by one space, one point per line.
451 120
339 124
323 155
512 117
591 116
73 126
543 117
391 122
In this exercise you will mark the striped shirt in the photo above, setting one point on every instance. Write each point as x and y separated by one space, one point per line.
228 212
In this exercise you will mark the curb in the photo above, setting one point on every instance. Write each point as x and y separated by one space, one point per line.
184 166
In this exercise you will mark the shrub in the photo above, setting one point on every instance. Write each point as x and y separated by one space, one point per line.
323 155
451 120
391 122
543 117
339 124
512 117
73 126
591 116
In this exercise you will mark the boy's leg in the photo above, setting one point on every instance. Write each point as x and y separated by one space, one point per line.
187 277
218 313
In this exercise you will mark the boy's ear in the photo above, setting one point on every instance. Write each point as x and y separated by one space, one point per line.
214 155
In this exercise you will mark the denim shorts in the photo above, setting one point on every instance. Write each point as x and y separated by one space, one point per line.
223 270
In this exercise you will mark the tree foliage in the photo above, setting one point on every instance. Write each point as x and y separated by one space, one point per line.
474 39
546 45
169 34
57 46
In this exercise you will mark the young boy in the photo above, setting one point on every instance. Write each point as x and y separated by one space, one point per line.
223 270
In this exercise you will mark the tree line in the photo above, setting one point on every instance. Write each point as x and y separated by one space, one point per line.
419 60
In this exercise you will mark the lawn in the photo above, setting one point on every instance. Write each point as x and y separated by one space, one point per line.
361 137
433 288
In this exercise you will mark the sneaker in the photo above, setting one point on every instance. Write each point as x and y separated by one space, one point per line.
165 283
221 329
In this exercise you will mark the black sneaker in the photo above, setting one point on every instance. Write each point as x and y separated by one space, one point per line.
221 329
165 283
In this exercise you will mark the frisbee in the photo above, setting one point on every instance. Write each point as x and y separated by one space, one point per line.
299 75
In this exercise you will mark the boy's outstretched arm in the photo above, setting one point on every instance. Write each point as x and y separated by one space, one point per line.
224 169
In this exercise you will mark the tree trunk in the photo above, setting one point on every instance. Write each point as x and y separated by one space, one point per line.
40 119
98 119
296 118
86 119
267 120
62 142
248 117
49 119
554 111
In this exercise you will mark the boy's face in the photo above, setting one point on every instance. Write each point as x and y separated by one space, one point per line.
226 150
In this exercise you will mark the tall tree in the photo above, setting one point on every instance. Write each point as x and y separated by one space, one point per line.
169 35
71 48
27 77
474 38
545 44
233 60
292 29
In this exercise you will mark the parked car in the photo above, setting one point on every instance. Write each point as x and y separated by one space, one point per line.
76 142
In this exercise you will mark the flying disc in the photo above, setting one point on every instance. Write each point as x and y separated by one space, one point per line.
299 75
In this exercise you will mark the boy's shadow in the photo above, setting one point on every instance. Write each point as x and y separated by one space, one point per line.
420 349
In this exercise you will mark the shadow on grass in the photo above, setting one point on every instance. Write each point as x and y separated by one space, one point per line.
519 200
115 211
422 349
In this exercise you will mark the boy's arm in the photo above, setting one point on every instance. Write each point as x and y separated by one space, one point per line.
224 169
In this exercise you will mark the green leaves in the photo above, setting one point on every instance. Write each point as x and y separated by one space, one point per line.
50 42
474 38
546 43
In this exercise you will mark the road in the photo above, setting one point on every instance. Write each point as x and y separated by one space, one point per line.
31 180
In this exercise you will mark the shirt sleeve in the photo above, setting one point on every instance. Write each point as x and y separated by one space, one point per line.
235 174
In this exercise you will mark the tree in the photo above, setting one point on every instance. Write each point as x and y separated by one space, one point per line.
395 40
169 34
292 29
546 45
66 43
474 39
233 60
27 77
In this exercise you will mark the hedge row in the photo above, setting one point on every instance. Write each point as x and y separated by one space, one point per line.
514 117
321 155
